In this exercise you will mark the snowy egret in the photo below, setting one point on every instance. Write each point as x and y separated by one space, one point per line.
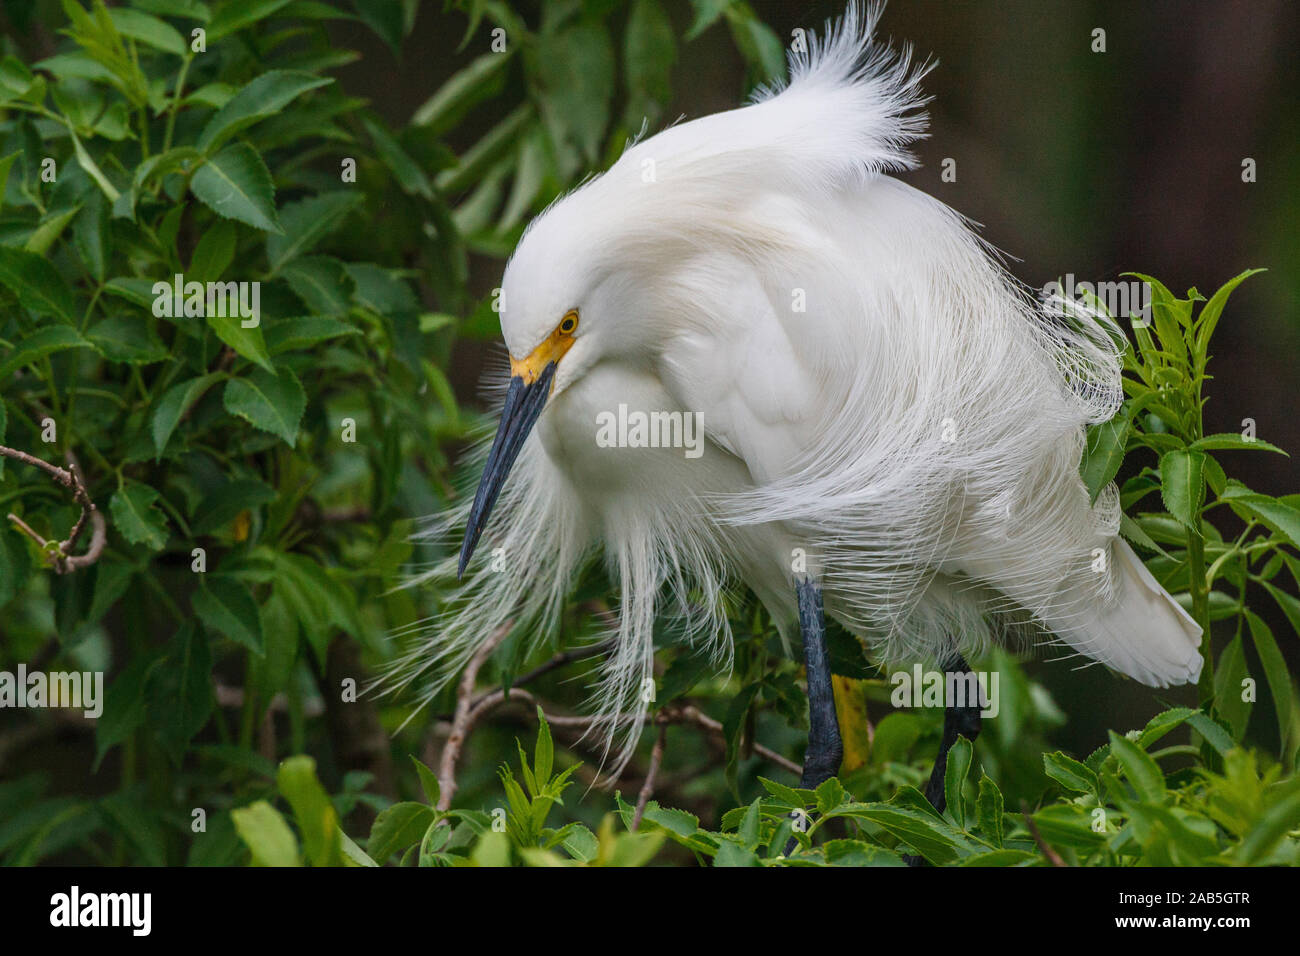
892 427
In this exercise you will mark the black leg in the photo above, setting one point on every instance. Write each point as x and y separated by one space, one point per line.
957 720
822 759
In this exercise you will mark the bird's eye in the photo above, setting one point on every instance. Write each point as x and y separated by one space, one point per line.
570 322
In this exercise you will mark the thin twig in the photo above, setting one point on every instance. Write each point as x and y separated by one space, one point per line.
691 715
63 560
559 660
462 720
1052 855
647 788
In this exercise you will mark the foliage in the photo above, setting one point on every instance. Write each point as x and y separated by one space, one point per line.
1191 556
423 835
258 483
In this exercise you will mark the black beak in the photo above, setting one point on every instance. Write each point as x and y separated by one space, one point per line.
523 404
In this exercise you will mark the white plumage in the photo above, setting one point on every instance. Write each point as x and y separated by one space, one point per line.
879 398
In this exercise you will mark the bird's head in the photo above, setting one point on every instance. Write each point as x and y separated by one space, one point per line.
563 308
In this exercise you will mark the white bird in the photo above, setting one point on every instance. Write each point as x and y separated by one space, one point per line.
892 427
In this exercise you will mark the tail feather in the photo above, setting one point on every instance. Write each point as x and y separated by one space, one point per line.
1145 633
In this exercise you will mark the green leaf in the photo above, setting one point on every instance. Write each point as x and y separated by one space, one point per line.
1162 724
228 501
31 348
678 822
214 252
226 607
483 155
148 30
409 175
387 18
1280 517
237 14
280 630
353 854
1229 673
959 759
125 706
236 185
182 694
90 234
530 176
707 13
859 853
989 810
40 287
1208 320
578 85
428 781
732 726
266 834
484 77
247 341
136 291
1289 604
1270 829
176 401
927 835
190 9
5 164
321 282
493 850
1182 485
49 230
543 752
1142 771
998 858
758 43
649 52
273 403
312 810
265 96
285 335
380 291
140 827
733 854
320 602
135 516
787 796
306 223
124 338
1212 732
1277 676
1068 824
400 826
1231 441
1069 773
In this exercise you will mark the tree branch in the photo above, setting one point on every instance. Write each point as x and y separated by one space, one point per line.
463 719
647 788
63 560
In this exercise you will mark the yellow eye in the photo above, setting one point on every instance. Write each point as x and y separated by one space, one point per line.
570 322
